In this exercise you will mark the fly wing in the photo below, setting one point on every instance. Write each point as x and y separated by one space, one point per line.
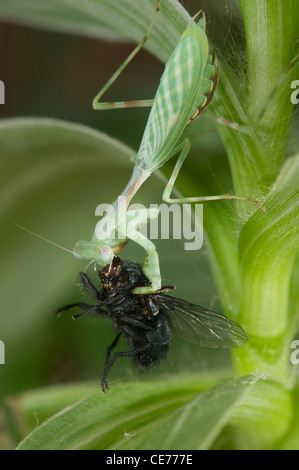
200 325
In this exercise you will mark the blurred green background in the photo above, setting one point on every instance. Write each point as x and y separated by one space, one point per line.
52 181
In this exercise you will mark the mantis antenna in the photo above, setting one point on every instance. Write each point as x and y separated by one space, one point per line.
39 236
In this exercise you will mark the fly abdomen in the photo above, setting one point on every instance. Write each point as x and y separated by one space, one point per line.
158 340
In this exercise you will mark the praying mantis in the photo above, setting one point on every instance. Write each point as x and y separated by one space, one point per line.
185 90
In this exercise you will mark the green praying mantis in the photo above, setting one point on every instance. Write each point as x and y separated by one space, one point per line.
185 90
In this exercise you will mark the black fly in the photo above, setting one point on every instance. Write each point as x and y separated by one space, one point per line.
147 320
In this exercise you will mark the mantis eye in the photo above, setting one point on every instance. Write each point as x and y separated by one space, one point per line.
106 254
93 251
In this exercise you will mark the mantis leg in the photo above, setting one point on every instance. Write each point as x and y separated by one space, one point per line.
151 266
169 187
243 128
247 129
126 104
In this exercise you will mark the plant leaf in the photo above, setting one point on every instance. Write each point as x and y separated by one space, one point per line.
197 424
106 421
104 18
291 439
162 415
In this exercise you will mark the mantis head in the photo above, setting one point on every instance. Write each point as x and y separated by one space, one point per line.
100 251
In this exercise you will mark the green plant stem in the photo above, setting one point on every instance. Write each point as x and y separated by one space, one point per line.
271 28
268 242
268 251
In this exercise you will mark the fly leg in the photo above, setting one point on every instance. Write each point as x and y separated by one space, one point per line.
89 286
82 305
109 362
85 307
108 354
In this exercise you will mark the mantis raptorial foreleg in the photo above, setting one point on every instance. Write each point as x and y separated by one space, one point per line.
151 266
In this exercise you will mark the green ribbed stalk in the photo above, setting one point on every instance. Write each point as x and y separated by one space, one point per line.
268 248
